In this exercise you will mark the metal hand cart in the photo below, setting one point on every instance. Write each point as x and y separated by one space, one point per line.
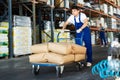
59 68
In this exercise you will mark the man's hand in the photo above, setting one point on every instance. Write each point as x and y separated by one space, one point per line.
79 30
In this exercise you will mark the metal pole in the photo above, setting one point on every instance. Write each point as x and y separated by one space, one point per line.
65 14
52 24
40 26
10 37
20 10
34 22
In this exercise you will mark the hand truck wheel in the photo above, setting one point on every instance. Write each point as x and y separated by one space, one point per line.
35 69
79 65
59 71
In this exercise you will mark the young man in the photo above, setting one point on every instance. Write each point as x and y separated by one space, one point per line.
83 33
102 36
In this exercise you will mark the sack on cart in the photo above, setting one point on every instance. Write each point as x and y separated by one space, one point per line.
60 48
40 48
59 59
38 58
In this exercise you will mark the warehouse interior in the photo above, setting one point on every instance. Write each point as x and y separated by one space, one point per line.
24 23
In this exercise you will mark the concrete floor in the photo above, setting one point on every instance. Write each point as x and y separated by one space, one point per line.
20 69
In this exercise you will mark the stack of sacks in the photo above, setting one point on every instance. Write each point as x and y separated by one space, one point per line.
79 52
39 51
57 53
60 53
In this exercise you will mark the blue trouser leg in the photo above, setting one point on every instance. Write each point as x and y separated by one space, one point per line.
103 40
79 38
88 45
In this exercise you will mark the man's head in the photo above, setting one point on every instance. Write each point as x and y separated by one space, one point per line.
75 10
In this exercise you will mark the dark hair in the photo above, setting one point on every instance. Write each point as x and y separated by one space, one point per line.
75 7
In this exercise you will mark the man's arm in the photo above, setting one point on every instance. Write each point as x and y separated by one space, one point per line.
65 24
84 24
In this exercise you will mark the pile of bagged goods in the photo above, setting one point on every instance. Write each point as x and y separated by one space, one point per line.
57 53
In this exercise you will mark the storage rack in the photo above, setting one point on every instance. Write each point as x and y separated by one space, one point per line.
34 9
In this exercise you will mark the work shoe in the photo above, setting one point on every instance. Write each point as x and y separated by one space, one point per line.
89 64
106 45
102 46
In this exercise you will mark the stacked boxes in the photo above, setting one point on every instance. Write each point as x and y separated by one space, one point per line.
65 37
118 2
22 35
22 40
60 3
3 39
49 2
46 36
104 7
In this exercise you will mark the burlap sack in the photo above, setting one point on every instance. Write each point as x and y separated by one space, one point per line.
59 59
39 48
77 49
60 48
38 58
79 57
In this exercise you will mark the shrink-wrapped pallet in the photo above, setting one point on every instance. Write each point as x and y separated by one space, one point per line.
4 39
59 59
38 58
77 49
60 48
39 48
3 50
4 25
22 50
22 40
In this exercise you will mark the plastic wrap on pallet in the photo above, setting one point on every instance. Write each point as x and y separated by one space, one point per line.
3 31
4 24
22 40
3 49
22 36
22 21
22 50
65 37
4 39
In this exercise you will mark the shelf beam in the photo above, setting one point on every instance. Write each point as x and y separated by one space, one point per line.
97 12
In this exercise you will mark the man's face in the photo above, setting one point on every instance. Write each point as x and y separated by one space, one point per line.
75 12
